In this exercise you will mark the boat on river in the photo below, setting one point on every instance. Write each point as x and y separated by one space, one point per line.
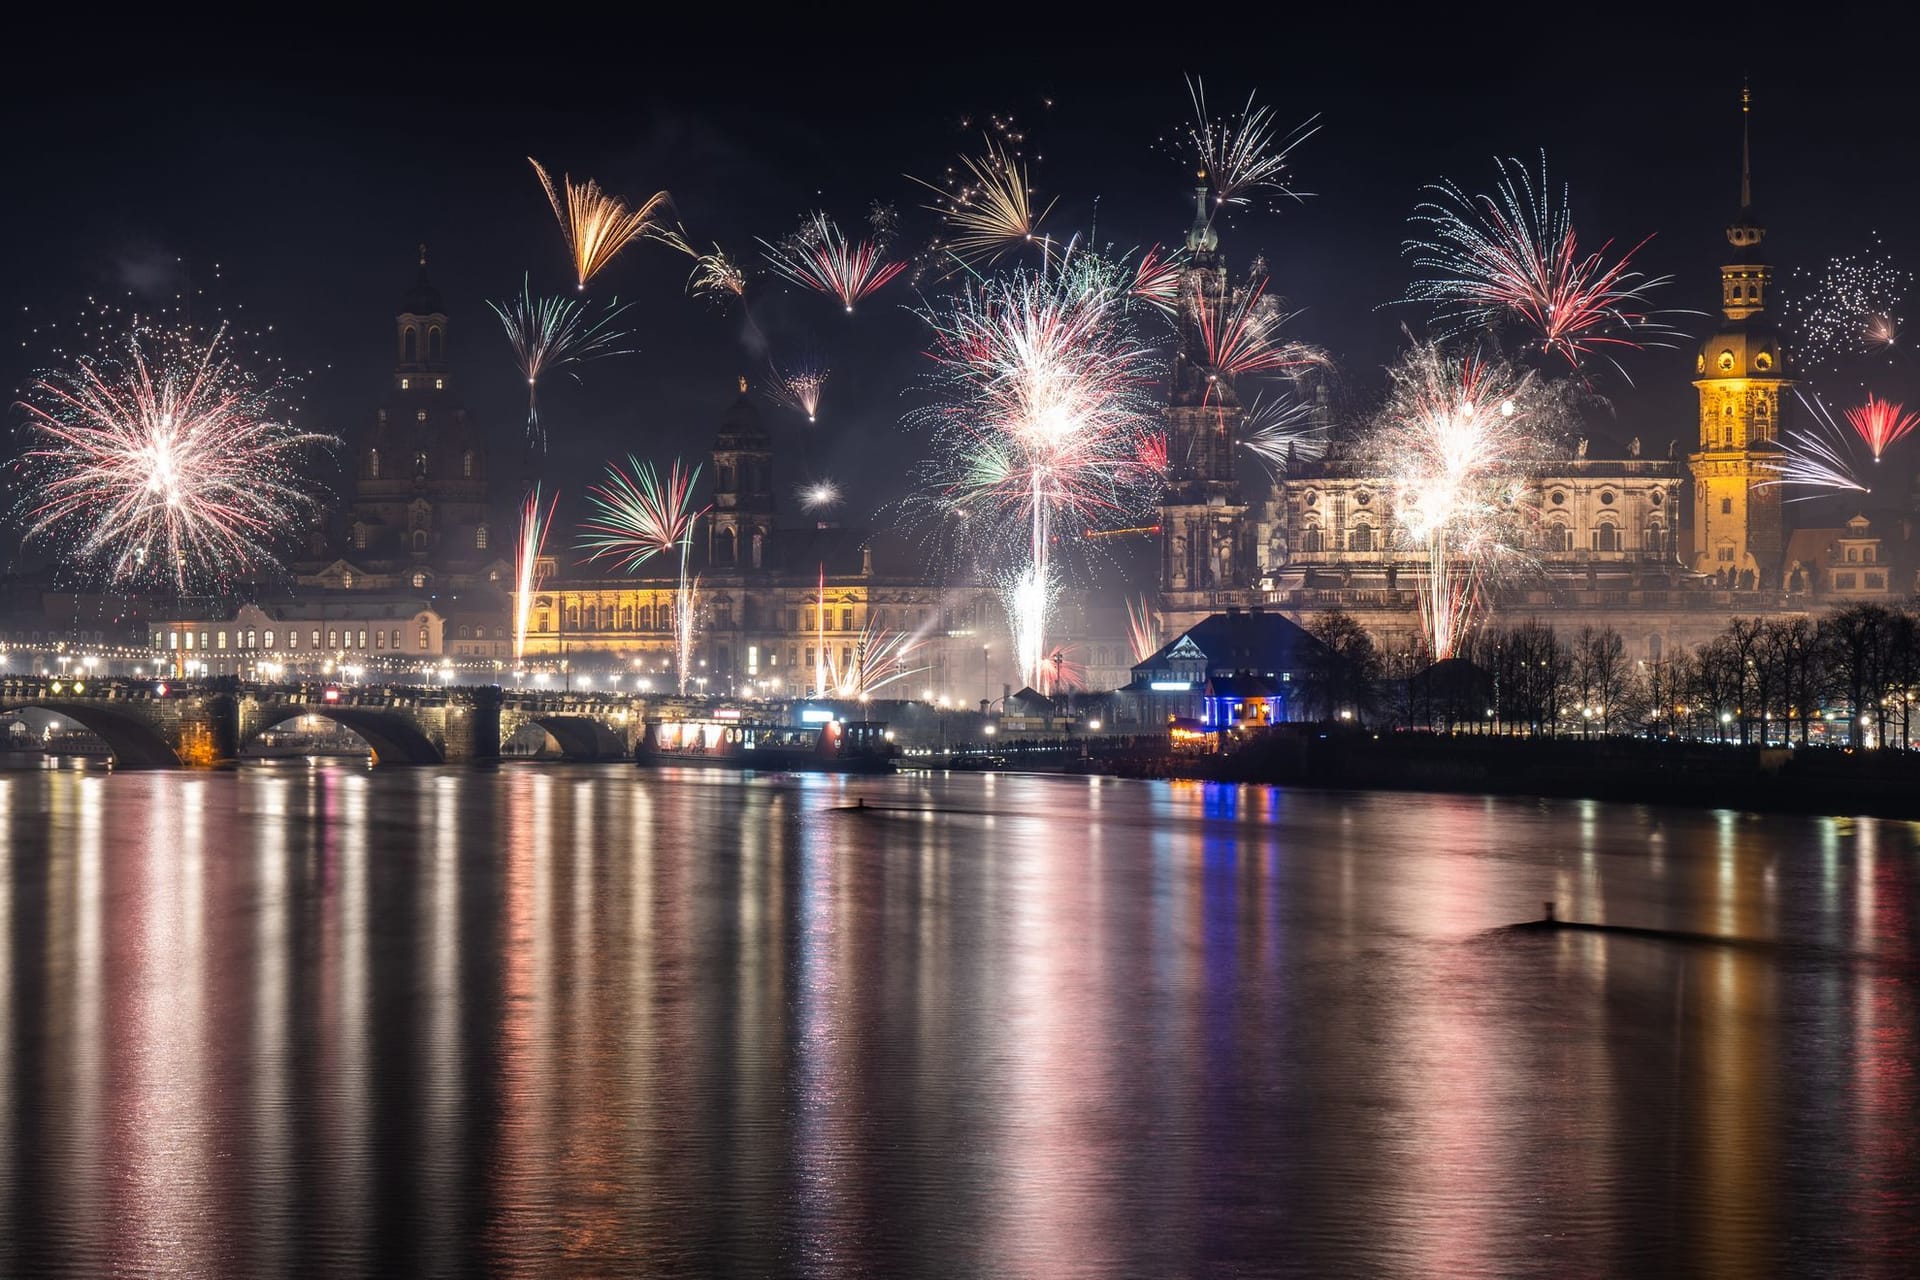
837 746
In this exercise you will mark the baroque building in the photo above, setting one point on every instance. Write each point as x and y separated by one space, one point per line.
420 518
799 611
1613 544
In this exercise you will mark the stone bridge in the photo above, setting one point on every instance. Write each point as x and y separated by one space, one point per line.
580 726
163 724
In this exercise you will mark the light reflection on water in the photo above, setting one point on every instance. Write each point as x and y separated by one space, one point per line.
603 1021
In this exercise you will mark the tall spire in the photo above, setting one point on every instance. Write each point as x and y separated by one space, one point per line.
1746 146
1203 238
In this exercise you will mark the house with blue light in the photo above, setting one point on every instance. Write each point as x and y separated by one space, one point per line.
1233 670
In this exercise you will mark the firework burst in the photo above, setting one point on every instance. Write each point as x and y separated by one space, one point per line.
639 516
1463 434
549 334
597 226
1243 157
1852 306
990 211
818 497
1818 457
528 549
1514 257
821 258
1881 423
877 659
1240 334
717 278
1044 429
1156 281
799 384
1281 430
163 460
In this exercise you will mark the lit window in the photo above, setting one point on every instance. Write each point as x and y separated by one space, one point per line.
439 384
421 416
268 637
419 580
403 384
480 539
423 638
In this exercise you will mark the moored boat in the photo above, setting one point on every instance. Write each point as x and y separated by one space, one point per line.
837 746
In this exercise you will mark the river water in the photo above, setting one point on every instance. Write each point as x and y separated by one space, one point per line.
601 1021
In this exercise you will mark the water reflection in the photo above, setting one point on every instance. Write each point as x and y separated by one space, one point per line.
614 1022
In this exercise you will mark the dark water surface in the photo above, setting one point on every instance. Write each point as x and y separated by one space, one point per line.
600 1021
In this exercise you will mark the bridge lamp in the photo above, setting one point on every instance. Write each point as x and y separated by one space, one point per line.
1094 725
89 662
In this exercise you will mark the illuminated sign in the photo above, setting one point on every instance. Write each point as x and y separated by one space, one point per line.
1171 686
727 713
813 715
331 695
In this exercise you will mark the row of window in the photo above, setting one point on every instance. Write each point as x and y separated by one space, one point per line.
1559 537
76 637
360 532
336 638
419 458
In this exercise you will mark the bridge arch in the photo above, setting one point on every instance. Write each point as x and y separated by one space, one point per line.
132 742
580 738
393 739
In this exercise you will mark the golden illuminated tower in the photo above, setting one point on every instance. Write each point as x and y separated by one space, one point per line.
1743 383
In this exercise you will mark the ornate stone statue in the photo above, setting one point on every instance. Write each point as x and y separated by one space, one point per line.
1580 450
1633 447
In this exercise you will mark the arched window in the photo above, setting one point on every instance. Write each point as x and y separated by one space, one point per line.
360 537
626 618
724 547
373 463
433 342
420 464
419 581
1606 537
466 464
346 582
409 345
1559 537
1656 539
480 538
1360 538
759 546
419 539
593 617
1311 540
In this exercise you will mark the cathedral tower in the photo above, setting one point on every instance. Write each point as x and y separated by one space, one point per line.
742 519
1743 379
420 484
1202 511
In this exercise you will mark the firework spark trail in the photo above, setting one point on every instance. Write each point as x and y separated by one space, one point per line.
548 334
163 460
1514 256
819 257
1245 156
1819 457
1281 430
1881 423
1043 431
990 214
798 385
638 516
1143 632
597 226
1852 305
528 548
1156 281
1462 433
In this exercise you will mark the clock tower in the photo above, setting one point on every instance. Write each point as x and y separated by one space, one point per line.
1742 375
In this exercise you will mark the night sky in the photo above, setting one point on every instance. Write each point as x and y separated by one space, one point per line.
310 178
